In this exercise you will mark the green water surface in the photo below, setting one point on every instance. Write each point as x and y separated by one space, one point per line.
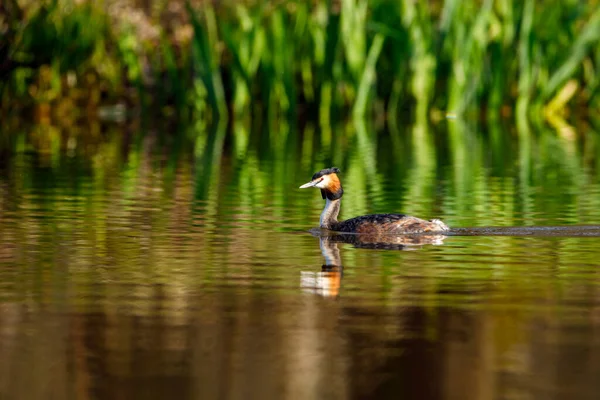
165 262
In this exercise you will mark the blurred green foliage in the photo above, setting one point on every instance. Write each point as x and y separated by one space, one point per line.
283 58
49 46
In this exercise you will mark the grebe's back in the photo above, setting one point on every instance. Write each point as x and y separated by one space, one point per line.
390 224
374 224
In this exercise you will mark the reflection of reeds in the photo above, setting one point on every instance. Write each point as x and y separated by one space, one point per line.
452 56
466 173
114 214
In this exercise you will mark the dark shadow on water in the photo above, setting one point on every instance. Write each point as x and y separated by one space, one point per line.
378 242
408 242
539 231
328 281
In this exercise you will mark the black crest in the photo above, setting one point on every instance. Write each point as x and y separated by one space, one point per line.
327 171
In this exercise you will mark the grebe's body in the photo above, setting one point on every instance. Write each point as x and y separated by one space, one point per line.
375 224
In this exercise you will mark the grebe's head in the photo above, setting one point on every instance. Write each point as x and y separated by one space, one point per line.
329 183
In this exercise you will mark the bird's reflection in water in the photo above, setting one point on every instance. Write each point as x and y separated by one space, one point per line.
328 281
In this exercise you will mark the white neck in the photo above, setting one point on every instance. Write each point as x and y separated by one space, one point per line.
330 213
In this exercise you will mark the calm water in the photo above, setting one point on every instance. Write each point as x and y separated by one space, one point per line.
138 266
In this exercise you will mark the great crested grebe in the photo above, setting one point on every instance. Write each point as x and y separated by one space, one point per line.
378 224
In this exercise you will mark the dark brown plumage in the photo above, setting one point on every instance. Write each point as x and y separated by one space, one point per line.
375 224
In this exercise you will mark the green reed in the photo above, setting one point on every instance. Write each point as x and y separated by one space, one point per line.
328 58
41 47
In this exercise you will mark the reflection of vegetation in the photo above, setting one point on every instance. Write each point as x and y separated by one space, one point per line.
467 176
454 56
185 227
